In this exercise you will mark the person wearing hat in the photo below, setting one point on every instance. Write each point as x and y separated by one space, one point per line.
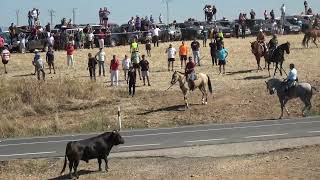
190 72
5 56
261 38
38 64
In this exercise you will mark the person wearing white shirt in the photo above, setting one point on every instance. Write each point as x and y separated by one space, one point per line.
101 59
171 56
126 63
90 37
155 36
292 77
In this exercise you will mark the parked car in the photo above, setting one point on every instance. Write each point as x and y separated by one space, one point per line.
39 42
233 24
289 28
254 25
225 27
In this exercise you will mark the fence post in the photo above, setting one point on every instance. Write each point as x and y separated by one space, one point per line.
119 118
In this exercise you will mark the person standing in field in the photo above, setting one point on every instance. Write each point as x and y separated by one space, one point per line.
135 59
5 56
126 63
70 51
183 53
39 66
101 37
132 80
144 65
1 44
195 46
148 47
101 59
90 37
92 62
205 35
222 55
155 36
134 46
50 60
171 56
114 70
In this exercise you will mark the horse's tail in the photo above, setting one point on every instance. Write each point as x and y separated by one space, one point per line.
209 84
315 89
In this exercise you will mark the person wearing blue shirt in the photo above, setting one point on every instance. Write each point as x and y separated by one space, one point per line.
222 55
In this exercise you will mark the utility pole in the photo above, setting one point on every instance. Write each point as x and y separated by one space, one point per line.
52 14
74 15
17 15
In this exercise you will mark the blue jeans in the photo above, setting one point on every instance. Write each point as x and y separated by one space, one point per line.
196 57
101 66
30 22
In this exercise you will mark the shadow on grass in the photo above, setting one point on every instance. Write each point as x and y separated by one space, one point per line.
255 77
240 72
24 75
80 173
175 108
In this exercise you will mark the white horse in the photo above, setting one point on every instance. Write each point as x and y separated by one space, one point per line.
202 82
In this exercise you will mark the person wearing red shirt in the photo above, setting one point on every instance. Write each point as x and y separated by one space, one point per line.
114 70
101 37
190 72
1 44
70 51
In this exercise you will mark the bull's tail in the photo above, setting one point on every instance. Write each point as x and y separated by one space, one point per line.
65 158
64 165
209 84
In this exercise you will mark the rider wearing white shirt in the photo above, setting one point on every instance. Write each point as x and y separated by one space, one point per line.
292 77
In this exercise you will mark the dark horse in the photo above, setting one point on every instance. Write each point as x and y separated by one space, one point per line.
314 34
259 51
278 57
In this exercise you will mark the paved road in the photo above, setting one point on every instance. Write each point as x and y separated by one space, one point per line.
148 139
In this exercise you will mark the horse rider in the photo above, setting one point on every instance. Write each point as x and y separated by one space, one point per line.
190 72
273 43
290 81
316 24
261 38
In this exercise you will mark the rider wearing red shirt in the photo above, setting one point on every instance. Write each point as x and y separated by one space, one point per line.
190 72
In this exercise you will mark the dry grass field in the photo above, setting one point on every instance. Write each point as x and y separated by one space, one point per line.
68 102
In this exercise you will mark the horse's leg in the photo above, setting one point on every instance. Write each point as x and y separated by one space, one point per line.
280 69
186 100
258 63
282 107
5 69
275 71
315 42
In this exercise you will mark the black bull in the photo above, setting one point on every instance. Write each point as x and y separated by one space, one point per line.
97 147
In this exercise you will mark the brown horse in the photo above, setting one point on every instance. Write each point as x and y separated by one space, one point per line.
202 82
259 51
314 34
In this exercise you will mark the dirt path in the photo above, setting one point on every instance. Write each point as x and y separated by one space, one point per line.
297 164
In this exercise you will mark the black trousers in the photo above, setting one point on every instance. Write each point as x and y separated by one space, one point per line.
132 85
243 32
214 58
92 72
